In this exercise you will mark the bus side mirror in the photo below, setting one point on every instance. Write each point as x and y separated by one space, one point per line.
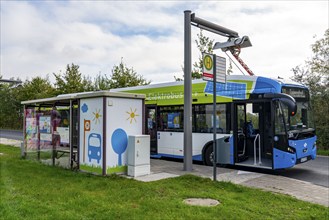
292 107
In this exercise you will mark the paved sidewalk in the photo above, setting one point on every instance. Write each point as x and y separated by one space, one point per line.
11 142
300 189
161 169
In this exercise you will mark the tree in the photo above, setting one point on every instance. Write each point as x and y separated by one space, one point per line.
122 76
205 45
72 81
11 97
315 74
102 82
8 105
36 88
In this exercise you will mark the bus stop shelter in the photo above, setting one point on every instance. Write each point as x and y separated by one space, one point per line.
87 131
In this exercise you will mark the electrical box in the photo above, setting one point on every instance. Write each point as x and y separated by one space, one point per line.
138 160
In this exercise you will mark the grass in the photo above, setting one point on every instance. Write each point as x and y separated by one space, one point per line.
92 169
323 152
30 190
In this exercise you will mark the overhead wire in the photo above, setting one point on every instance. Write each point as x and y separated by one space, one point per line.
234 63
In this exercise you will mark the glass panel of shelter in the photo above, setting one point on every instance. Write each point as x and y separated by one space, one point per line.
47 134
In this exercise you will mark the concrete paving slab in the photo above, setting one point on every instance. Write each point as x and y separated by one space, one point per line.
238 178
155 176
299 189
201 202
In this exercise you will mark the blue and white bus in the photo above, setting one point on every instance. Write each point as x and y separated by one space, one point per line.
267 122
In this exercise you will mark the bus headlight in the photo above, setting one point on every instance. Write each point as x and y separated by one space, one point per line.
291 150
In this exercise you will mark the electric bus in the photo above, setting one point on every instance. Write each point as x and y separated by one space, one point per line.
262 122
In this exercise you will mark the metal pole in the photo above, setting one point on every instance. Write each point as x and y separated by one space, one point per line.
24 148
187 92
215 28
214 120
71 134
38 124
104 136
53 139
78 147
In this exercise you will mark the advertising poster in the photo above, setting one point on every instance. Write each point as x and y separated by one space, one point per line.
44 124
64 133
31 126
173 120
31 133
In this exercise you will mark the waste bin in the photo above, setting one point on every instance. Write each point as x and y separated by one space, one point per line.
223 150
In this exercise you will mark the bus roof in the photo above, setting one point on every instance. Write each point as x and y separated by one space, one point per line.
267 82
236 87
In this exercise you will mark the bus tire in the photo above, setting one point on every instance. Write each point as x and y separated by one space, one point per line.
208 155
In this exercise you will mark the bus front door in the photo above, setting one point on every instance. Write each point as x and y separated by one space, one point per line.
151 128
252 132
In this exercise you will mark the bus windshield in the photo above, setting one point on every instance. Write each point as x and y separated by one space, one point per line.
303 118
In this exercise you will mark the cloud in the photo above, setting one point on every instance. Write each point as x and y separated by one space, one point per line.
39 38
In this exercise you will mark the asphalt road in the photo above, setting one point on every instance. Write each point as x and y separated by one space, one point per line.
11 134
315 171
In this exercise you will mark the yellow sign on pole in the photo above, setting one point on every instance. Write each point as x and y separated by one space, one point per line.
208 67
207 62
211 62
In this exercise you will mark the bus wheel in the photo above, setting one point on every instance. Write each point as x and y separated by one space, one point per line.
209 156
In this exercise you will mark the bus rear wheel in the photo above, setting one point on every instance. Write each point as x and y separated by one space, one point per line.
209 156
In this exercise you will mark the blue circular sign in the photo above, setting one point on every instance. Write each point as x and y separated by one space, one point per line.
119 141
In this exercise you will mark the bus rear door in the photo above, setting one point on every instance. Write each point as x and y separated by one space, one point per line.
151 127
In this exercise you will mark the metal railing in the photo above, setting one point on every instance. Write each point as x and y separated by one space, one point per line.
259 150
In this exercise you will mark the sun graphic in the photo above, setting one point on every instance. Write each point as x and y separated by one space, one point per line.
97 116
132 115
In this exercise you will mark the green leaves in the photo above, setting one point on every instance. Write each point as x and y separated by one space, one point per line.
205 45
70 81
122 76
315 74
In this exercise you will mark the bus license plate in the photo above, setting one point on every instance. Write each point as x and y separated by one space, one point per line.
303 159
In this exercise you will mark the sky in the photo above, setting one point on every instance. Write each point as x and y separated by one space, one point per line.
39 38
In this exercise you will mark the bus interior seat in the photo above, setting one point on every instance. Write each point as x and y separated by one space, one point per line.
251 132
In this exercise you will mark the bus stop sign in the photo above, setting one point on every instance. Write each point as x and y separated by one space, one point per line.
214 65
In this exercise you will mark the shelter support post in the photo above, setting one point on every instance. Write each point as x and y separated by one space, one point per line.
71 134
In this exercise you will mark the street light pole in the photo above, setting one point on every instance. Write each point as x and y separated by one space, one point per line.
187 92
